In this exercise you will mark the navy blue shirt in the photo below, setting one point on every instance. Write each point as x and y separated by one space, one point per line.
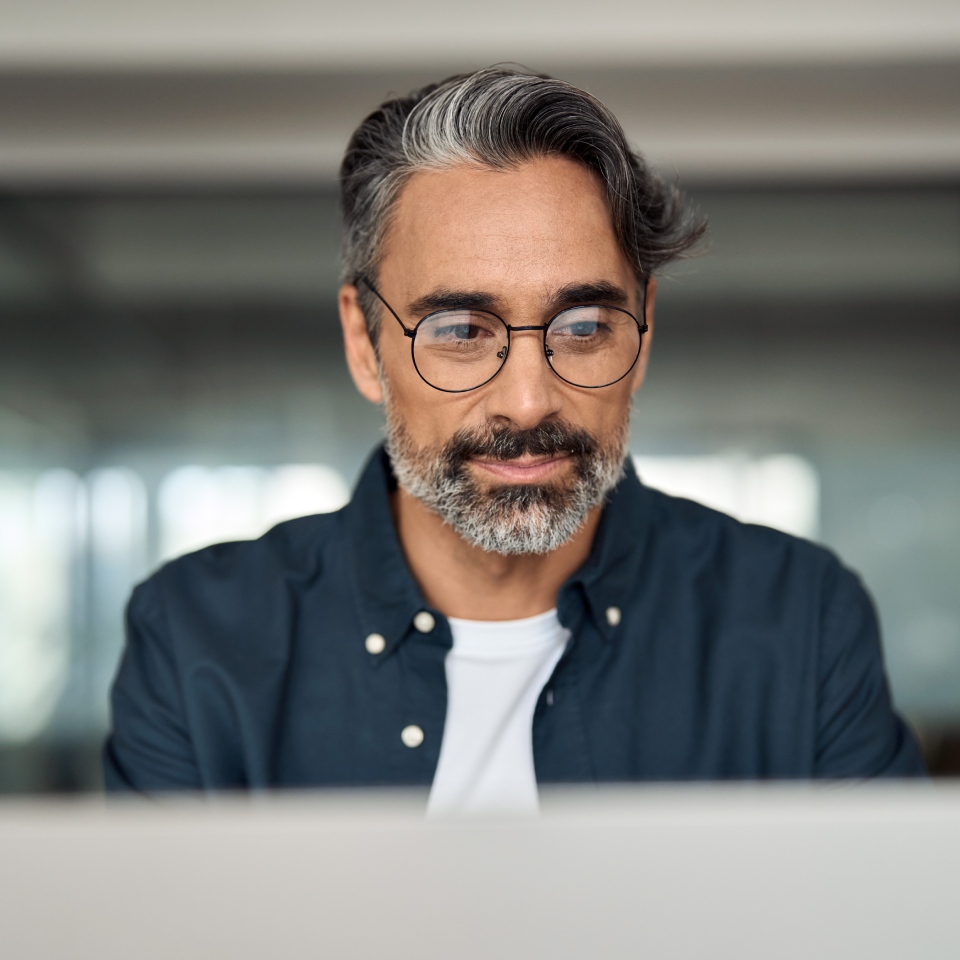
739 652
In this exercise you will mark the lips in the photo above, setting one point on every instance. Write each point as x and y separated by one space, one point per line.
524 469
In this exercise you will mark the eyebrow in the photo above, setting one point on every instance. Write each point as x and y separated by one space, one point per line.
444 299
596 291
573 294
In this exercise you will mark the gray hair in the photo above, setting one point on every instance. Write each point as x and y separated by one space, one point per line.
500 117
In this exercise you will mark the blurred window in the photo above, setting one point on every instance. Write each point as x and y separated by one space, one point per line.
199 506
72 548
781 491
42 535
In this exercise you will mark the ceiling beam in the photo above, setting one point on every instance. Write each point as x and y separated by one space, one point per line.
304 34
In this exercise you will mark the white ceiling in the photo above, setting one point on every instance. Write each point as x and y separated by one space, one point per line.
134 92
254 34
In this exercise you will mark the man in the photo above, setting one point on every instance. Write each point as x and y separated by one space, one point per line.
502 604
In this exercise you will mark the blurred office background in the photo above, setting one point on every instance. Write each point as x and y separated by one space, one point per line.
170 368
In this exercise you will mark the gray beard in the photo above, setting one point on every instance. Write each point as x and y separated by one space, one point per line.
509 519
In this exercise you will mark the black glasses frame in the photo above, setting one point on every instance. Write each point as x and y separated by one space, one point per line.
503 354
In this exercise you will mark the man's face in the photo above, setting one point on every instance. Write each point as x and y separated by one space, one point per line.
516 464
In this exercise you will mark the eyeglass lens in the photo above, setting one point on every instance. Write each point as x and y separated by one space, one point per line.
590 346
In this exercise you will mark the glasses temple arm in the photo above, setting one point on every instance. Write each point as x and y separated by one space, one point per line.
376 293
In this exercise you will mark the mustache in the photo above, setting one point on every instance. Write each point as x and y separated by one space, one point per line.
500 442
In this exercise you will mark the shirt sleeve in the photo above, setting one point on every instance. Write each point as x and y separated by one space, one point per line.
149 747
858 733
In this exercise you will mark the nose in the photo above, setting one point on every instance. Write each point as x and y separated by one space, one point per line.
525 391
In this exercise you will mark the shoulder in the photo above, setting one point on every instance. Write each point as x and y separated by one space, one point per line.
745 567
239 589
294 548
699 533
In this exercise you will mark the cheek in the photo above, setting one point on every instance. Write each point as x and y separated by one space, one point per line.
444 414
399 376
429 417
609 405
608 419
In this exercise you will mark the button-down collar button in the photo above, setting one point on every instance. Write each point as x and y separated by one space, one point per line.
375 644
412 736
613 616
424 622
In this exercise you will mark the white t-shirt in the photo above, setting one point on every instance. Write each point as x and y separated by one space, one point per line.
495 673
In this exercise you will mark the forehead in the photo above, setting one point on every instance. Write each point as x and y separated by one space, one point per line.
540 225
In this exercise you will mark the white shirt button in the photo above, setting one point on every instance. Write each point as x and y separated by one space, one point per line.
375 644
613 616
424 622
412 736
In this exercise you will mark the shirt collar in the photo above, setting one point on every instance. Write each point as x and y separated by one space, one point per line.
608 578
389 597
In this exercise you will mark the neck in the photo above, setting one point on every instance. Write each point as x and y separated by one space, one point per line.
462 580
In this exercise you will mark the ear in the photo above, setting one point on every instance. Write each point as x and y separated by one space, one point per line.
361 356
640 370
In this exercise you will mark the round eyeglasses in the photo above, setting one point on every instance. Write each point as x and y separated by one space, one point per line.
588 346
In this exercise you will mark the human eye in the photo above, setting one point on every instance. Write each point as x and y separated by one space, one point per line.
582 324
457 328
457 331
578 328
